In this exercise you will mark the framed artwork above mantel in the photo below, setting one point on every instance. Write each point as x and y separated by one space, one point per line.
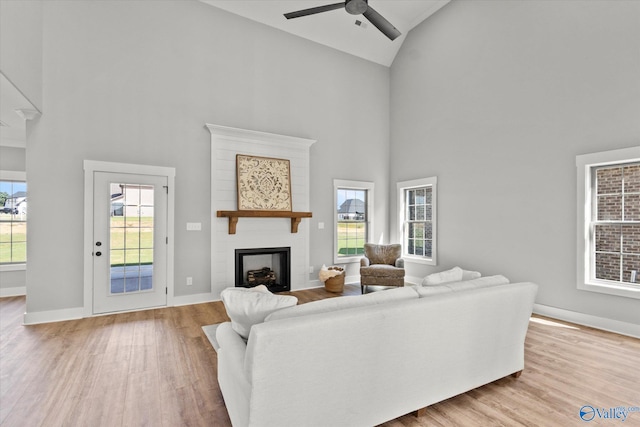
263 183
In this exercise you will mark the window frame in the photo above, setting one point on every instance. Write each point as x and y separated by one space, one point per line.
586 165
402 188
341 184
6 175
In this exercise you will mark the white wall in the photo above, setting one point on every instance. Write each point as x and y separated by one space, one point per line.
21 47
12 159
21 64
136 82
496 98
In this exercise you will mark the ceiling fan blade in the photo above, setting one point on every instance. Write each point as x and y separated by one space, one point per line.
381 23
313 10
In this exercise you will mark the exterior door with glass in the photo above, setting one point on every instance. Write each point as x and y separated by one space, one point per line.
129 242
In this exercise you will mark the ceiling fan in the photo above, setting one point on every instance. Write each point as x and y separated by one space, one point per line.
354 7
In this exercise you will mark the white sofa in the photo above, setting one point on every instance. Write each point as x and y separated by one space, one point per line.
363 360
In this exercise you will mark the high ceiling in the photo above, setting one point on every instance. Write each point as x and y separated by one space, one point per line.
337 28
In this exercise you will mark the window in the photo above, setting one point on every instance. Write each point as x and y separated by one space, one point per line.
417 219
13 220
353 222
609 204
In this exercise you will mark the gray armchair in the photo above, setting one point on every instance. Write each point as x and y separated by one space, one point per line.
382 265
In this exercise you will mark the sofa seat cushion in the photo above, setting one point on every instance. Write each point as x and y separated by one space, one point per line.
343 303
248 306
482 282
382 270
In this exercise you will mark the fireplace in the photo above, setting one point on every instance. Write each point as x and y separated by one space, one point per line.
268 266
257 232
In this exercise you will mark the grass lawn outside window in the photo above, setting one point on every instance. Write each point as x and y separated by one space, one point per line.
13 239
131 240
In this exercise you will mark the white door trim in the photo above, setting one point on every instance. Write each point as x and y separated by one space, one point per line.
91 166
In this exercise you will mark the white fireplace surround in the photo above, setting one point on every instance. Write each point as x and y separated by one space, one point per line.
226 142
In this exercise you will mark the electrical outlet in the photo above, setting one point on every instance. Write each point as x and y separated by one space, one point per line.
311 269
189 281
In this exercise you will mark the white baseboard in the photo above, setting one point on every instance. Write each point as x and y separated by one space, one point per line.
194 299
13 292
352 279
623 328
36 317
311 284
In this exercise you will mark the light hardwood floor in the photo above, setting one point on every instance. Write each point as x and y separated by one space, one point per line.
156 368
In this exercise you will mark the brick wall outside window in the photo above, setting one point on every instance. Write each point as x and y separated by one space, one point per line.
617 242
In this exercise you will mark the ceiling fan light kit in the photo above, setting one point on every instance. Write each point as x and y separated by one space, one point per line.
354 7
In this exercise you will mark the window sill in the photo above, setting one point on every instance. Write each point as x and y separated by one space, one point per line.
347 259
13 267
611 289
418 260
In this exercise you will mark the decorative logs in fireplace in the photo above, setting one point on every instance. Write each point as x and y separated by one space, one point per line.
264 276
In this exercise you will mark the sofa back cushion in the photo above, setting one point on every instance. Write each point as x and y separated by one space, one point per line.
456 274
481 282
343 303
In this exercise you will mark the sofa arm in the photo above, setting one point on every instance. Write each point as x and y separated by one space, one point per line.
364 262
400 263
232 379
230 341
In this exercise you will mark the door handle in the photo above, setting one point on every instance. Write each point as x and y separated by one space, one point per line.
98 243
98 253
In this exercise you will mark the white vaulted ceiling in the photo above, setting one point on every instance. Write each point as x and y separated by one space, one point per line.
337 28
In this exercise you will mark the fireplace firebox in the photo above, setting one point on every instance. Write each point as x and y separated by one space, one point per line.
268 266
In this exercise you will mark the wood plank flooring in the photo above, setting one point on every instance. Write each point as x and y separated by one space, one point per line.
156 368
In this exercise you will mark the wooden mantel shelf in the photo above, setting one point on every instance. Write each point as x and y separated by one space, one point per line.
233 216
